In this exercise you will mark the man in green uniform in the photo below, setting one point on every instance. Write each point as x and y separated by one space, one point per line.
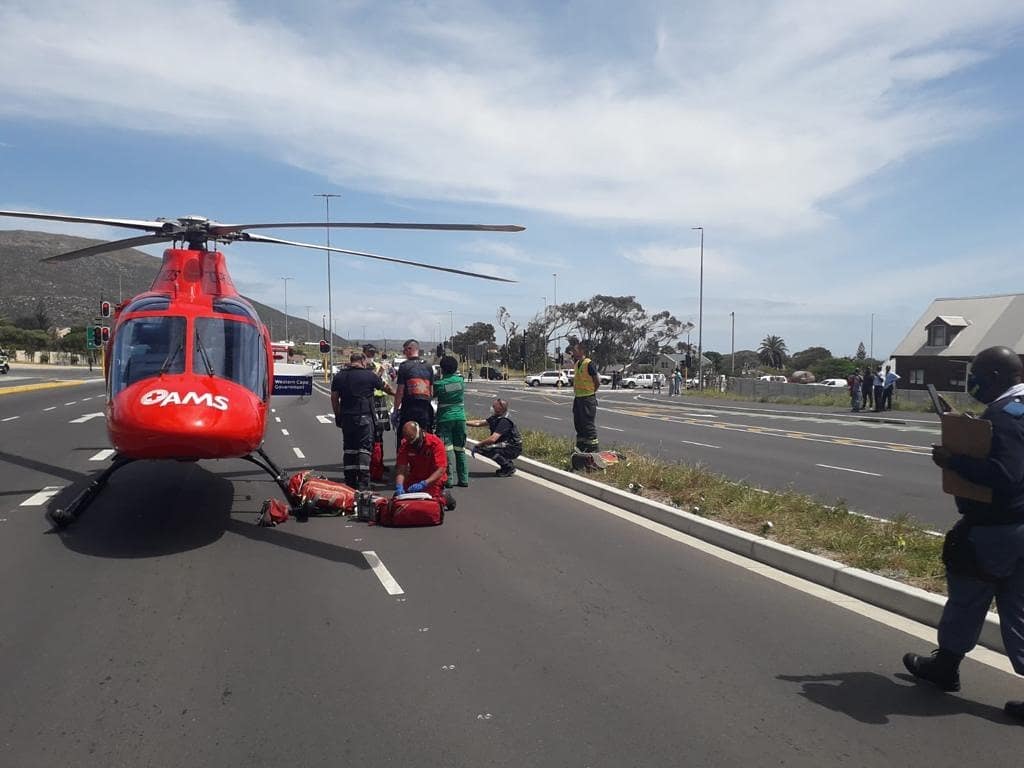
450 390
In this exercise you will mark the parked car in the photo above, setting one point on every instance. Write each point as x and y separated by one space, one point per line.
774 377
833 383
4 365
645 380
552 378
491 374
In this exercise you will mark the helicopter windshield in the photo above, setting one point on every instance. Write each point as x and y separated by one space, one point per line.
147 347
233 350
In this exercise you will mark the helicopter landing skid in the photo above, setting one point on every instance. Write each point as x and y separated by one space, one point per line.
62 518
268 466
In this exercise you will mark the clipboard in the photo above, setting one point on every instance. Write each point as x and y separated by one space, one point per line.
965 436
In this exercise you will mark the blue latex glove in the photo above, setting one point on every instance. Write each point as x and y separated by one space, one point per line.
399 490
417 487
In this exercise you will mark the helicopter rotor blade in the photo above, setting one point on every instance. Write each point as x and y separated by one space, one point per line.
129 223
246 237
218 230
114 245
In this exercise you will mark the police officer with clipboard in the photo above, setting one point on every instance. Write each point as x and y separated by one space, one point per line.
984 552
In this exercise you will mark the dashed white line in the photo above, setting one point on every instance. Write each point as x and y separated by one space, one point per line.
52 407
42 497
87 417
11 418
299 454
277 419
284 432
386 579
847 469
613 429
554 418
103 455
702 445
324 419
73 402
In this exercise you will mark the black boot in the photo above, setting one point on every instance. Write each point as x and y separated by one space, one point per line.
1015 709
942 668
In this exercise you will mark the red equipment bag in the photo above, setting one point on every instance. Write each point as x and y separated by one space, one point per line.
315 495
273 513
412 509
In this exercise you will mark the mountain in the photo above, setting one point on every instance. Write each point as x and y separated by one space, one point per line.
71 291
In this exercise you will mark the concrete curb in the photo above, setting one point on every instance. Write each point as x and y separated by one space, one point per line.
911 602
816 414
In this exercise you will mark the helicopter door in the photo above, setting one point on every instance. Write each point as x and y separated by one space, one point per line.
145 347
233 350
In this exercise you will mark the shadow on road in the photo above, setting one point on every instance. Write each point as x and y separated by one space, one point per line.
873 699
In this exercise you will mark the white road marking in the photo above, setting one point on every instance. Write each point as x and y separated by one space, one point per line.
87 417
847 469
323 419
11 418
880 615
73 402
52 407
103 455
284 432
613 429
553 418
273 410
299 454
386 579
702 445
84 399
42 497
277 419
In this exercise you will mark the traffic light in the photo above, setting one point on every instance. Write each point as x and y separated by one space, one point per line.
104 333
324 347
104 309
94 337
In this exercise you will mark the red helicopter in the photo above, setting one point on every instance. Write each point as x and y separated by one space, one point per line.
188 365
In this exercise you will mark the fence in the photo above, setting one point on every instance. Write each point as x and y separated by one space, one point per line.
757 388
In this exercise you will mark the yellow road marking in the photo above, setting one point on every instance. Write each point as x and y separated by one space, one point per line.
34 387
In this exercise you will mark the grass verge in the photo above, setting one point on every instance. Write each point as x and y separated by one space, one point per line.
900 549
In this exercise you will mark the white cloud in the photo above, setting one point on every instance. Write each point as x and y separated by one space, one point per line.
661 256
741 115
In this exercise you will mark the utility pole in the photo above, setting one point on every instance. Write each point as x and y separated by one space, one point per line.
700 315
308 307
330 309
871 347
286 279
733 316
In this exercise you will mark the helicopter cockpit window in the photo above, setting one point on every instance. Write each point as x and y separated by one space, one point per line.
149 304
147 347
232 350
230 306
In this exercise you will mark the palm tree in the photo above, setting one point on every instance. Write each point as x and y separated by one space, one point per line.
772 351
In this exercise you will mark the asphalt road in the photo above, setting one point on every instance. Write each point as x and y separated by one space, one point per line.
532 629
876 468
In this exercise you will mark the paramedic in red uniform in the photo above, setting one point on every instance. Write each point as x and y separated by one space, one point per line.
422 464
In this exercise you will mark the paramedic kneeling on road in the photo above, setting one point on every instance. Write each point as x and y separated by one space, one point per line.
504 443
984 552
422 463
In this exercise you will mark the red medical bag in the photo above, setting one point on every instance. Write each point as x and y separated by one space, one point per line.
412 509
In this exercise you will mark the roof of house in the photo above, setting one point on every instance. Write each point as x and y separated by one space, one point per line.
986 321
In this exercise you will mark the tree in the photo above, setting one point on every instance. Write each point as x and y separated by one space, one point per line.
833 368
772 351
716 359
463 341
617 328
804 359
861 352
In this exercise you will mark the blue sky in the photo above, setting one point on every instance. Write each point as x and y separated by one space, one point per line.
844 159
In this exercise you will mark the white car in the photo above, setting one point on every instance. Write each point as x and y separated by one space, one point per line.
833 383
776 377
570 374
645 380
552 378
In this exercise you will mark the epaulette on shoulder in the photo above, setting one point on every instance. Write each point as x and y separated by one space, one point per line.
1015 408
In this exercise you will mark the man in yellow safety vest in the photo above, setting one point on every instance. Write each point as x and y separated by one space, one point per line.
586 382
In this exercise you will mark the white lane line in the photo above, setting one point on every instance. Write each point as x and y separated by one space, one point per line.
613 429
299 454
702 445
85 399
386 579
103 455
52 407
847 469
273 410
11 418
87 417
284 432
42 497
553 418
325 419
277 419
73 402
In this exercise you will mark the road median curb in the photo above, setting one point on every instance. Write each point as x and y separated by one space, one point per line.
817 414
45 385
911 602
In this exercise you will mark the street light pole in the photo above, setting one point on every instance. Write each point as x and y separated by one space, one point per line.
554 295
700 315
330 309
733 316
451 326
286 279
871 347
308 307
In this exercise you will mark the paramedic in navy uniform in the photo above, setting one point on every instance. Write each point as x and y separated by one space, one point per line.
996 531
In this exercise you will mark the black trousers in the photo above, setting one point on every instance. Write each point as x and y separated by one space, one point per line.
867 392
887 399
501 453
419 411
357 433
878 398
584 419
